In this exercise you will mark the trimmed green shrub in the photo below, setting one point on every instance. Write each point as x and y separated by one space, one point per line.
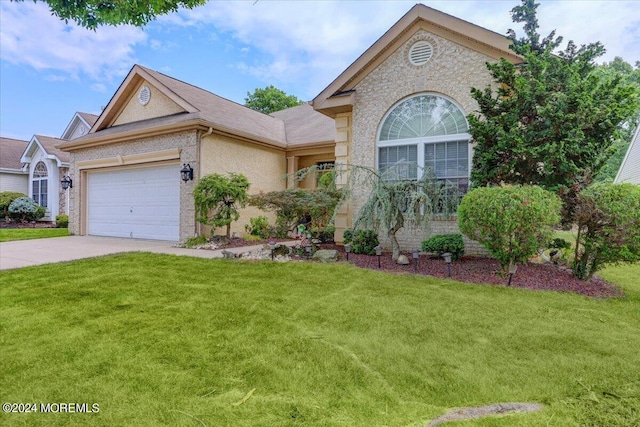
608 220
445 243
62 221
6 197
362 241
511 222
559 243
293 204
26 209
258 226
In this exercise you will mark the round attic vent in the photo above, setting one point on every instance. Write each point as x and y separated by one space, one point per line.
144 96
420 53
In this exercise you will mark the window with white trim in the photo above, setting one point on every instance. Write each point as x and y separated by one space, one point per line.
39 184
426 132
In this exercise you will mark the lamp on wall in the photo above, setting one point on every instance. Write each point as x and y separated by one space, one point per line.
66 182
186 172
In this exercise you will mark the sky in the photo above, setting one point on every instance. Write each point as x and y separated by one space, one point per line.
49 69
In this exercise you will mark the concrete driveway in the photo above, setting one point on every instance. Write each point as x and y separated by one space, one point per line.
23 253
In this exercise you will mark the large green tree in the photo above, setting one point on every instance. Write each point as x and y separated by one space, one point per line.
94 13
270 99
552 120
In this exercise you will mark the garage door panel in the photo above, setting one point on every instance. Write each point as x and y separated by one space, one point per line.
141 203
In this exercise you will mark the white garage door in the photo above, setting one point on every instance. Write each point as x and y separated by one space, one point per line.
141 203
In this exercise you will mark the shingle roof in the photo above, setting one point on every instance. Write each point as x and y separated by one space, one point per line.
10 152
304 125
221 111
88 117
50 144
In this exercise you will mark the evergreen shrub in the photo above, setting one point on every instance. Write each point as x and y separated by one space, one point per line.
442 243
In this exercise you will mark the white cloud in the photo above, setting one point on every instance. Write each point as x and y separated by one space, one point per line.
30 35
315 41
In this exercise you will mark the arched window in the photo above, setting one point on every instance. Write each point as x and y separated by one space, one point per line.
425 132
39 184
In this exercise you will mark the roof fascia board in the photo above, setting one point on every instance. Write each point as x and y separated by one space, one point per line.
196 124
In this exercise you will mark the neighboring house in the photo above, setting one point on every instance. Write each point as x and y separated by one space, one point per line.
45 165
405 99
630 168
12 176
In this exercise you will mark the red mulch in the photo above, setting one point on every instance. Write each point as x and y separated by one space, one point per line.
486 271
36 224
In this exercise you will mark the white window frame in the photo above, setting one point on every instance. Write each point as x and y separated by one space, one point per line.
36 181
422 141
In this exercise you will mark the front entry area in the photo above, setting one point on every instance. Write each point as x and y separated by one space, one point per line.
138 203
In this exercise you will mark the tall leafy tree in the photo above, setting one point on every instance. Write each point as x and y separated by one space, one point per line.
270 99
552 120
218 199
94 13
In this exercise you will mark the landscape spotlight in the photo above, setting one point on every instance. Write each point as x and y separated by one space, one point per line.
447 259
347 249
378 253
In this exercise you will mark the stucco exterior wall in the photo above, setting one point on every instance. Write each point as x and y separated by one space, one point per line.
159 105
186 142
264 167
451 72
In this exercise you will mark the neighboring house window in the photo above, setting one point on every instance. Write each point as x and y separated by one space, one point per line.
39 184
426 132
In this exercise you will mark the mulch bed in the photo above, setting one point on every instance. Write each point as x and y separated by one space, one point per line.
487 271
36 224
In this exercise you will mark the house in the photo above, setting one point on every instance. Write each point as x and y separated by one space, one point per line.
45 165
126 170
630 168
405 98
12 176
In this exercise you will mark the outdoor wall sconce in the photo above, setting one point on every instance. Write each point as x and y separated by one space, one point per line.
512 270
378 253
186 172
416 256
347 249
66 182
447 259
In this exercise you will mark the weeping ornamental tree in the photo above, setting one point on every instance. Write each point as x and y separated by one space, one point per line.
394 202
218 199
553 119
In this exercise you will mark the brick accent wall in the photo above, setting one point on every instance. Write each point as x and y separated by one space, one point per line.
187 142
451 72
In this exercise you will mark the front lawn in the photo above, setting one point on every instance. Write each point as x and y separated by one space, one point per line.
166 340
9 234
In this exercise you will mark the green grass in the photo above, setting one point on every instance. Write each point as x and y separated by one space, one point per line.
166 340
9 234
